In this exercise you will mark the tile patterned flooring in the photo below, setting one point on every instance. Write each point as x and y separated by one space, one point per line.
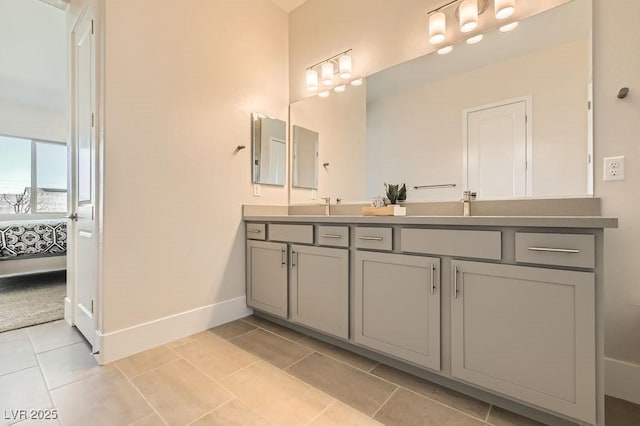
248 372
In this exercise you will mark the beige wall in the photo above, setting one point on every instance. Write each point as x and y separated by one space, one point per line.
181 80
385 33
337 119
428 122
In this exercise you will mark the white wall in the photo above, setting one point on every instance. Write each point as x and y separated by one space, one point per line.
415 136
387 33
338 120
182 79
32 122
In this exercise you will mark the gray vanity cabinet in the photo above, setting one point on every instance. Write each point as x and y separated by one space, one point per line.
320 289
267 277
397 306
526 332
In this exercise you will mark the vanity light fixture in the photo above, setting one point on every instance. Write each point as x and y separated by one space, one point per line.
504 8
340 88
445 50
324 94
325 71
468 12
509 27
357 82
437 27
475 39
312 80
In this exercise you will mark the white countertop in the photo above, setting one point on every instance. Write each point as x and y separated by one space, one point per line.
591 222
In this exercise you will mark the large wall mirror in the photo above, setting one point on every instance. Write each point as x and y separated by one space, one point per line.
269 146
507 117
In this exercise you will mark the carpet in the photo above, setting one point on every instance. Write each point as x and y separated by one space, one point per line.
32 299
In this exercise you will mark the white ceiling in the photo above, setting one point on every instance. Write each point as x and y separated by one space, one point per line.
33 54
288 5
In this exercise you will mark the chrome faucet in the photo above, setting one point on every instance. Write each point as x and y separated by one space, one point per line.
327 206
467 196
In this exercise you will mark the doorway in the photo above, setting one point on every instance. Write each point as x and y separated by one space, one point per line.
497 149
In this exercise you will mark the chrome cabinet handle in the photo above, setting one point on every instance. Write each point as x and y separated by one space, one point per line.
330 236
371 238
433 278
294 259
554 250
284 258
455 282
254 231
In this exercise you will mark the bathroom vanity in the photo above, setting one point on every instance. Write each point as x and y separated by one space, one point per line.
508 309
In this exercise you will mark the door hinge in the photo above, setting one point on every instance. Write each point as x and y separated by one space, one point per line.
589 105
92 305
526 119
589 159
92 120
92 27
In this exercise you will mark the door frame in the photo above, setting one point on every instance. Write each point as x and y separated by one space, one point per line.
528 100
76 17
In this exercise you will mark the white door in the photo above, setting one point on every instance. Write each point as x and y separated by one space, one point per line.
84 183
496 150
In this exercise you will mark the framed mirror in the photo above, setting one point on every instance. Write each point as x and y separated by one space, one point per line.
305 158
269 145
509 117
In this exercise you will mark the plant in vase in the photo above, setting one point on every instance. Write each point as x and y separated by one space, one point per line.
395 193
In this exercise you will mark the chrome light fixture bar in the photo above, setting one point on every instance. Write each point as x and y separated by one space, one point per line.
324 73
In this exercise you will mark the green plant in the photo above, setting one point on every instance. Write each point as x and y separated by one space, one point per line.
395 193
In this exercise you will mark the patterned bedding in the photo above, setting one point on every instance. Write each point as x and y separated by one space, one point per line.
25 240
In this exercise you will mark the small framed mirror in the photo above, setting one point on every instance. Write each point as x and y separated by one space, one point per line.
305 158
269 144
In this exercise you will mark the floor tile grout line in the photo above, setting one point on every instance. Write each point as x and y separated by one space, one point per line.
135 376
295 362
60 347
238 371
443 404
276 333
339 360
44 379
144 398
486 419
373 368
317 416
385 402
21 369
234 337
212 410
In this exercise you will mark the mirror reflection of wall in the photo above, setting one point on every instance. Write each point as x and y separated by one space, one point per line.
339 122
444 119
305 158
269 150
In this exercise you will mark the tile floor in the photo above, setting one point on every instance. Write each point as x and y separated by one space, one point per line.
248 372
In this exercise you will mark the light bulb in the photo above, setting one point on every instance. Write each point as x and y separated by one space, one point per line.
437 27
504 8
475 39
327 73
357 82
312 80
445 50
509 27
340 88
468 15
324 94
344 63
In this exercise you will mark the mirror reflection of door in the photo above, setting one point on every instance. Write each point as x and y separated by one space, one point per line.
496 142
269 143
305 158
273 157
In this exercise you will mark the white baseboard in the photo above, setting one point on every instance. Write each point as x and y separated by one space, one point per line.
622 380
128 341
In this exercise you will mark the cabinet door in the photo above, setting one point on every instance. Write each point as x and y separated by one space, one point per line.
320 289
267 277
526 332
398 306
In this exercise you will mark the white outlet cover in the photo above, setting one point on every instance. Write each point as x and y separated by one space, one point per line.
256 190
314 194
613 168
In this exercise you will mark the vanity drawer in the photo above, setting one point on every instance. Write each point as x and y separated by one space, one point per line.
471 244
573 250
256 231
291 233
335 236
374 238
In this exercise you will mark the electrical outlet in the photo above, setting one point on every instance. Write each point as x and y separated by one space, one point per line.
314 194
256 190
613 168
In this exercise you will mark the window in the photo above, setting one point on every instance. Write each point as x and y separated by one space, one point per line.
33 176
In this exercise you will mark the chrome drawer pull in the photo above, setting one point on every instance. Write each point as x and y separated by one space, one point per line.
254 231
455 282
330 236
554 250
371 238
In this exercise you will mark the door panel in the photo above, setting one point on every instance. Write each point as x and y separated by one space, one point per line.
267 277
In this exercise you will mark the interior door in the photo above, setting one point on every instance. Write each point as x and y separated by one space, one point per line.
496 148
84 185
